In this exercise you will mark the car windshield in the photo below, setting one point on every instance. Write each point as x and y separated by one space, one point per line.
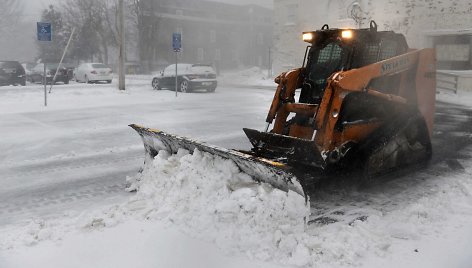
198 69
8 64
53 65
99 66
68 65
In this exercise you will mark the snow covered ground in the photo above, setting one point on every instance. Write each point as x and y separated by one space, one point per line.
197 210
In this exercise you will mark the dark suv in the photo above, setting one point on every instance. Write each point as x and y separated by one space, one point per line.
12 73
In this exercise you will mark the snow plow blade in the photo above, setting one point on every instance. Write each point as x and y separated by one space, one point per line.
273 173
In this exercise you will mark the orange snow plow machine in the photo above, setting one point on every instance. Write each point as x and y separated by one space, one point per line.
365 104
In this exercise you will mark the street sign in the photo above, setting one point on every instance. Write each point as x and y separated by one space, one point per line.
44 30
177 41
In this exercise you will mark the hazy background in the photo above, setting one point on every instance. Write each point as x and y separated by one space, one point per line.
33 7
18 42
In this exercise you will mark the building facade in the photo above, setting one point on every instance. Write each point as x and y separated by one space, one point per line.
443 24
226 36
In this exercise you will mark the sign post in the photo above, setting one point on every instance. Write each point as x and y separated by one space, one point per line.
44 33
176 45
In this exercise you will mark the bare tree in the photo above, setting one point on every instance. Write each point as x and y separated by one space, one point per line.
96 31
10 12
146 20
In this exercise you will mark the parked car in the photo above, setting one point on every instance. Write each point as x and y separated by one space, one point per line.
28 66
190 77
93 72
12 73
37 74
70 67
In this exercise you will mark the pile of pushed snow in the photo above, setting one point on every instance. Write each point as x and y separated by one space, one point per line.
254 76
209 198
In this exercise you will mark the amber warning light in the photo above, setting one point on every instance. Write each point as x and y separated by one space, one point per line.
307 37
346 34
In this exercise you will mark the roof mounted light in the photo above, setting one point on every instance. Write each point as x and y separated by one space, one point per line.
346 34
308 37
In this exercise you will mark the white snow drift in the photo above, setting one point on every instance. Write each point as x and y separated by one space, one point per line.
190 207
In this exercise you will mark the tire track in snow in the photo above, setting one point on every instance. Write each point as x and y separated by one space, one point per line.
70 164
46 188
59 198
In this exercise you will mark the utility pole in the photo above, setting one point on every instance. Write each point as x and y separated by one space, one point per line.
121 58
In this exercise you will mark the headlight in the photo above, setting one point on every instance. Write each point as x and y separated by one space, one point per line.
308 37
346 34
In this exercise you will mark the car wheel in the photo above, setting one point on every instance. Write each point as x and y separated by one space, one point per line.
211 89
23 83
108 81
66 81
155 84
87 80
184 86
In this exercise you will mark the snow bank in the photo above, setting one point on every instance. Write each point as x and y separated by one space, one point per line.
420 220
209 198
254 76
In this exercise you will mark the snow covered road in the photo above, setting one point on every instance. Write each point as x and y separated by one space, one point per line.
73 157
78 151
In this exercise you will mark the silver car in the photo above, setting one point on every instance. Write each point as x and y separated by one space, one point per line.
93 72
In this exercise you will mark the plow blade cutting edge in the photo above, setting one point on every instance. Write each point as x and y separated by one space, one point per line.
260 169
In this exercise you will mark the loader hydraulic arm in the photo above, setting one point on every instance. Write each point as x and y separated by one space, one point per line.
420 62
358 79
287 82
416 65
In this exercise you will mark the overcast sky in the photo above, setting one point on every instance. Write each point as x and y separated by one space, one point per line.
33 8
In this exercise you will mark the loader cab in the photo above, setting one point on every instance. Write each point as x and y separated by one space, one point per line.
334 50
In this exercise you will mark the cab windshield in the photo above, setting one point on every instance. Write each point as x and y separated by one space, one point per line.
323 61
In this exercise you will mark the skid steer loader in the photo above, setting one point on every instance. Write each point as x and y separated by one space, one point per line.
366 103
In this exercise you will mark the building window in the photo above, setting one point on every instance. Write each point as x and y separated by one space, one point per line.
212 36
179 12
200 55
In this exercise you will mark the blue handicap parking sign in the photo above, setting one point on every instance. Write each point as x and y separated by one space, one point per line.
177 41
44 30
